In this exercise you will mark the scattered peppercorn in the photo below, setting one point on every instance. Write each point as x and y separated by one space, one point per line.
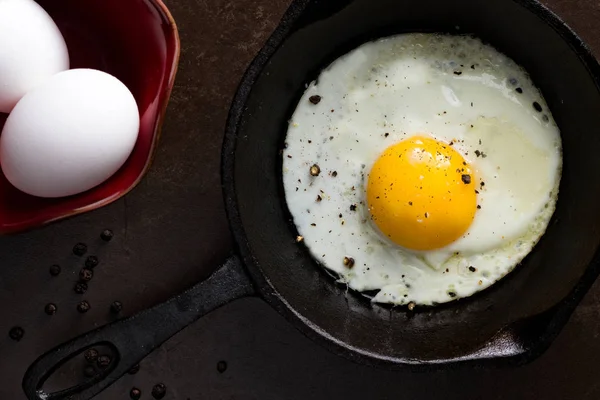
83 306
537 106
91 355
353 207
457 73
319 198
159 391
334 174
86 274
81 287
386 134
315 170
55 270
16 333
519 90
221 366
316 99
134 370
451 294
349 262
89 371
50 309
472 269
116 307
135 393
466 179
478 207
107 235
80 249
103 361
91 262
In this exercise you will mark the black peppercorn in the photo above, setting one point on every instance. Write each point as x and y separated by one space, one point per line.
316 99
159 391
83 307
103 361
16 333
91 355
107 235
89 371
116 307
86 274
135 393
466 179
221 366
50 309
55 270
81 287
134 370
91 262
80 249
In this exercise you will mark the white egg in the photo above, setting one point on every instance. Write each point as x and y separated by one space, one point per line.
457 91
69 134
32 50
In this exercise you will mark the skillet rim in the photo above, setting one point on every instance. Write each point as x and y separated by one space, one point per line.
561 312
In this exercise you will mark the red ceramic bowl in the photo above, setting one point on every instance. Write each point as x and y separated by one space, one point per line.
136 41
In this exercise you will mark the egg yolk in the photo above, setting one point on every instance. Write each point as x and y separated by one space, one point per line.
421 193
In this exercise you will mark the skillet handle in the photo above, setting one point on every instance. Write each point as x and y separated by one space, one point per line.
134 338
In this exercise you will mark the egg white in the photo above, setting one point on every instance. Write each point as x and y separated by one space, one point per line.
457 90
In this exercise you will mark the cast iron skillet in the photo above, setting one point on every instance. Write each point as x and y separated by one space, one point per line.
512 322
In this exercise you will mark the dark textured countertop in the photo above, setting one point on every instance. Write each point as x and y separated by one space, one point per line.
172 230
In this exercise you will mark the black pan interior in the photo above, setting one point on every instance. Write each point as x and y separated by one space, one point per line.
518 312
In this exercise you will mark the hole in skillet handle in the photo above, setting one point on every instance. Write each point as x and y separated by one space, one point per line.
133 338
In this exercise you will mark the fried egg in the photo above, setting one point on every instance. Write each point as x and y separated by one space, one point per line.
421 168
